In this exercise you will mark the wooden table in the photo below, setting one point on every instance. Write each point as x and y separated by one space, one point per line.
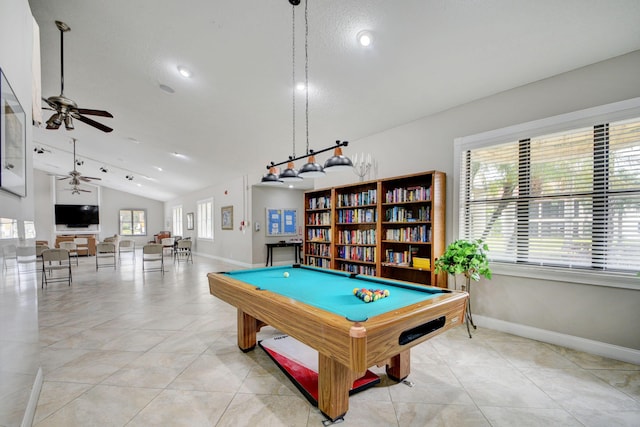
296 245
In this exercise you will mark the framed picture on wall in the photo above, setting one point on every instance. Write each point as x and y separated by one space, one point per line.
226 216
190 221
13 141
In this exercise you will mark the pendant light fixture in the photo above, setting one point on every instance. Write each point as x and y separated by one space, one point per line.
290 174
311 169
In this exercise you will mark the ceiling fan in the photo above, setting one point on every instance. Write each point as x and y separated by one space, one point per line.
75 178
66 109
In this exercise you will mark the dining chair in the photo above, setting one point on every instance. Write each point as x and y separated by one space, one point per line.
72 248
153 253
105 252
125 246
56 260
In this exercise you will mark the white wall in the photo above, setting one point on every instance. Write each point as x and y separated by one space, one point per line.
110 202
270 197
19 339
234 245
605 315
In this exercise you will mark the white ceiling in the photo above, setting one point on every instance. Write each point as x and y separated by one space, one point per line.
235 114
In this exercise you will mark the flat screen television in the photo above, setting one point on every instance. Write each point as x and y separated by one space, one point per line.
77 215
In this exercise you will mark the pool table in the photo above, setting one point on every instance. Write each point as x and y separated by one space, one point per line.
317 307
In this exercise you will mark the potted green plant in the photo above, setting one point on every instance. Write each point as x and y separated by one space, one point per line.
468 257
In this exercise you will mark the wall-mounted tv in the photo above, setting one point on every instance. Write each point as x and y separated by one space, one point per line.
77 215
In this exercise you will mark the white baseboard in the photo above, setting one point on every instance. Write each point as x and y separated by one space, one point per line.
30 411
242 264
226 260
611 351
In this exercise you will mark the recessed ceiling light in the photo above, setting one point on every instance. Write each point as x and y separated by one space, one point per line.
300 86
167 89
364 38
158 168
178 155
184 71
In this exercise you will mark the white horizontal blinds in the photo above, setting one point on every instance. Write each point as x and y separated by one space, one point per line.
561 211
623 233
569 199
489 199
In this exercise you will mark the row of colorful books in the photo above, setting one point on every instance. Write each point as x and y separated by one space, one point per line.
318 262
409 194
319 234
368 197
359 269
318 249
319 218
357 237
420 233
357 253
319 203
402 214
350 216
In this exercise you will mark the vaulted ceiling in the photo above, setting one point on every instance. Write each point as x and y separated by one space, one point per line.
234 114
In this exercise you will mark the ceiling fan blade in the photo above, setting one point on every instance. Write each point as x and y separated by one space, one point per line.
90 112
91 122
53 105
63 178
89 178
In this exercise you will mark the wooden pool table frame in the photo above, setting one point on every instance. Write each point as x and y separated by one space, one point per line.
346 349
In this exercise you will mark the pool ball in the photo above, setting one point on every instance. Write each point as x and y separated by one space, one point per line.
285 274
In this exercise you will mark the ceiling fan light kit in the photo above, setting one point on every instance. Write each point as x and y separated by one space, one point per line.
311 169
66 109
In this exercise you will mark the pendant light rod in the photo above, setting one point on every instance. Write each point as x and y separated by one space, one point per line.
309 154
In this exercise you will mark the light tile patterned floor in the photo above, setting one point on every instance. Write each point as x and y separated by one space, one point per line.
127 348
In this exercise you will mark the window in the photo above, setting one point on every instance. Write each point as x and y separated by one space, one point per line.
205 219
8 228
568 199
177 220
133 222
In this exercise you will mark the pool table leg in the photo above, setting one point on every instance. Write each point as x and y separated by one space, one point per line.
334 382
248 327
399 366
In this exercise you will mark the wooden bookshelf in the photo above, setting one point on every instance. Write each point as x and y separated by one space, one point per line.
318 229
379 227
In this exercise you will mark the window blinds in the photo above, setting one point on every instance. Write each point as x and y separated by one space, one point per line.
568 199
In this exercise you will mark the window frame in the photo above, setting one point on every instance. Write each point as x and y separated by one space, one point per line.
132 210
199 220
177 220
617 111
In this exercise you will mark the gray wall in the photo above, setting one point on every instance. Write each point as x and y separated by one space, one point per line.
20 349
513 303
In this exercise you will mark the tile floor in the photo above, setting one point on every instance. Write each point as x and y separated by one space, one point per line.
127 348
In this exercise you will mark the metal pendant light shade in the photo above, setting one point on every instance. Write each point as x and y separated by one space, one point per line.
271 178
338 162
311 169
290 174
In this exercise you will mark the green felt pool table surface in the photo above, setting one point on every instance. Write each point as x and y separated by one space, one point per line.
333 290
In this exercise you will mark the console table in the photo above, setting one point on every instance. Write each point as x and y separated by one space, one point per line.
296 245
91 242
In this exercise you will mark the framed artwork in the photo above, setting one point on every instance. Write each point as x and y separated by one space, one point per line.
190 221
13 141
227 217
